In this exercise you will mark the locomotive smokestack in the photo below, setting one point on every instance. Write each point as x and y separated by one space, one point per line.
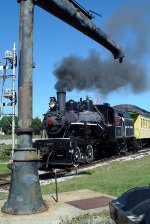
61 99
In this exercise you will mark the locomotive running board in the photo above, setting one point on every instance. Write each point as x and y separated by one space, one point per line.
132 207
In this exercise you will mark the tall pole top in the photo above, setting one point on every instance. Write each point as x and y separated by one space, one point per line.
14 48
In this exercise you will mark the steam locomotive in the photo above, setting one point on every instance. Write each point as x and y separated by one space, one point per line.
81 131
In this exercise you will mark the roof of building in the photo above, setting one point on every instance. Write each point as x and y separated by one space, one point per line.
132 108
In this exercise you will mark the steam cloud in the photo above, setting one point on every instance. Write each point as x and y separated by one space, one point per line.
95 73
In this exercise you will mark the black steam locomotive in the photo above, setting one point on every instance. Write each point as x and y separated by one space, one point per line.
81 131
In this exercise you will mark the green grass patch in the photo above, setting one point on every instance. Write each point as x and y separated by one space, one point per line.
3 196
5 137
113 179
4 169
5 153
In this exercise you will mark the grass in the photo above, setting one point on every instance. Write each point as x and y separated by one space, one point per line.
112 179
3 196
5 137
4 169
5 152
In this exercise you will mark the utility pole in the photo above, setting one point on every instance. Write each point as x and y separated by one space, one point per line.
13 97
9 93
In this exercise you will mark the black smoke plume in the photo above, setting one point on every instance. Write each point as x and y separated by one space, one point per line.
131 22
105 76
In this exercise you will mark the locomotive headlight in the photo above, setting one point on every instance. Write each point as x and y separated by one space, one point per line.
52 104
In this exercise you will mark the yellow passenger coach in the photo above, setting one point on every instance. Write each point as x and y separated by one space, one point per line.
141 122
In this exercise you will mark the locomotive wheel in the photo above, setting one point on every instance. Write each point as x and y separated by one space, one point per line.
121 148
76 157
89 152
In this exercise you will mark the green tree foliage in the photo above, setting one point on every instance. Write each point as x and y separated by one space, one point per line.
6 124
37 125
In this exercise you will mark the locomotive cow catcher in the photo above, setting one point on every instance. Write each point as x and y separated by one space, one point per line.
79 132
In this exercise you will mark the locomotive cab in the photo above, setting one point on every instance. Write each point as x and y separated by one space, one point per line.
120 131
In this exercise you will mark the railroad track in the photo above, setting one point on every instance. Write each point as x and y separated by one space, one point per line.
93 164
5 178
4 183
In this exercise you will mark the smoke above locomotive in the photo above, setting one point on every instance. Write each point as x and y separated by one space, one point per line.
106 75
103 75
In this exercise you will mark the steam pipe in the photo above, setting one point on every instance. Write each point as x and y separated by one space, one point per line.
69 13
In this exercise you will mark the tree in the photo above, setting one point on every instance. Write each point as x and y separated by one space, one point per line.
37 125
6 124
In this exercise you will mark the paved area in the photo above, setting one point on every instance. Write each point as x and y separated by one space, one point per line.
70 204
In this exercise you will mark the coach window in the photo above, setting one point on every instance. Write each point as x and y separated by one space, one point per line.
147 124
142 123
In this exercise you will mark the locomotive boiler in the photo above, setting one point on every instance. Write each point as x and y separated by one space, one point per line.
64 119
81 131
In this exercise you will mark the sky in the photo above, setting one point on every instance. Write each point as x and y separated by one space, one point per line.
103 79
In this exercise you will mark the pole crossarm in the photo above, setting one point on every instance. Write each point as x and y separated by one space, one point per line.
71 14
2 67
